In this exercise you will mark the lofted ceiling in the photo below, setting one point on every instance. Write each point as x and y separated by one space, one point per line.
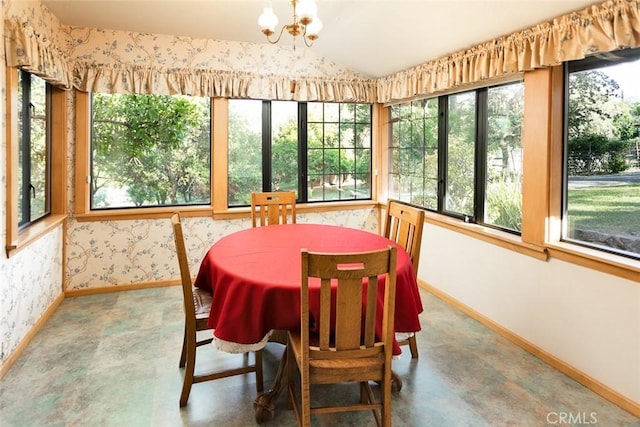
372 37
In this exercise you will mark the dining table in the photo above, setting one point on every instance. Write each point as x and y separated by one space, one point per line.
254 276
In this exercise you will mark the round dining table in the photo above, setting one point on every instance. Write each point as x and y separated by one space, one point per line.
254 276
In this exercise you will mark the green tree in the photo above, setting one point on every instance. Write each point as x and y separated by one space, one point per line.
600 124
244 152
461 153
415 150
155 147
284 158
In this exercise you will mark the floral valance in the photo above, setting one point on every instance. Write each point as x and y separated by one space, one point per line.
33 52
215 83
612 25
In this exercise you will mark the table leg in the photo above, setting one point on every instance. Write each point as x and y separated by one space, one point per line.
396 382
264 405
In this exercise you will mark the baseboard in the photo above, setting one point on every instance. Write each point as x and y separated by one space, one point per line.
572 372
118 288
15 354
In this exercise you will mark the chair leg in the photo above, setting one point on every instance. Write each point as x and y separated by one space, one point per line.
413 346
183 354
189 371
366 397
385 397
305 397
258 363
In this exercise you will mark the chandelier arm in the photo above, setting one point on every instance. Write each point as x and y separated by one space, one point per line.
279 36
308 41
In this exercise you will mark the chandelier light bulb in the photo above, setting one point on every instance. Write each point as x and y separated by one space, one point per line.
306 10
268 20
314 27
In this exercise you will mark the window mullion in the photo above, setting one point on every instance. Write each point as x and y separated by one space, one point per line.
25 145
443 125
481 155
266 146
302 152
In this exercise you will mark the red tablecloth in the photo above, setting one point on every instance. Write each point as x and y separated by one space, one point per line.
254 275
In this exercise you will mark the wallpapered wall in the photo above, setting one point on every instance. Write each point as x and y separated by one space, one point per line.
111 253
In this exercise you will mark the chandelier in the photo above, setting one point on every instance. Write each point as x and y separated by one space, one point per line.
305 22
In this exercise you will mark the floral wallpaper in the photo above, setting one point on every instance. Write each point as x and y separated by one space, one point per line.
98 46
112 253
29 284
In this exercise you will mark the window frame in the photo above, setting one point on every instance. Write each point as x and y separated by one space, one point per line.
82 202
26 147
480 96
18 237
543 179
92 162
588 63
303 149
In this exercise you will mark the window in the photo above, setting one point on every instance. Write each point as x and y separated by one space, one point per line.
461 155
601 197
36 136
149 151
459 165
414 153
34 141
320 150
503 160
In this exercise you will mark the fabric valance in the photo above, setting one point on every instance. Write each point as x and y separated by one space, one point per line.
612 25
211 83
33 52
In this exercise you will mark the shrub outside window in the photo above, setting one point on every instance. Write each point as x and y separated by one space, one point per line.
602 153
150 151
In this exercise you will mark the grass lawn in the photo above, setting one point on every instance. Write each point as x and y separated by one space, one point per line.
611 209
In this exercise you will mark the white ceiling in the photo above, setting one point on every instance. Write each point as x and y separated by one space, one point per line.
372 37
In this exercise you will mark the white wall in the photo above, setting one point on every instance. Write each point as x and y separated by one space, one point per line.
588 319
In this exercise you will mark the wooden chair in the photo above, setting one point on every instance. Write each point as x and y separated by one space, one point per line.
350 351
404 225
274 207
197 304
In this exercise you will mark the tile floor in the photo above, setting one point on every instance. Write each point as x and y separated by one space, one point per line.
112 360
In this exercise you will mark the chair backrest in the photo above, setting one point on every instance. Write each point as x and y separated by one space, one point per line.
273 207
347 326
404 225
185 274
